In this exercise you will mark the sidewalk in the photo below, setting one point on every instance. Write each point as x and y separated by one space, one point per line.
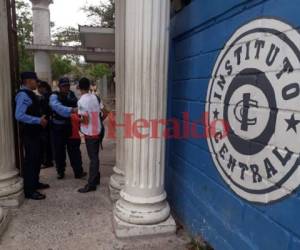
68 220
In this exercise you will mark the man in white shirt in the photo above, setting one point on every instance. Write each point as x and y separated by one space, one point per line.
89 108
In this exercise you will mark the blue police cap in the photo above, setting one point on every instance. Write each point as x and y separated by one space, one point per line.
28 75
64 81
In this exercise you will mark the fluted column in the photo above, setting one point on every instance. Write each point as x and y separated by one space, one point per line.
143 209
41 36
117 179
11 185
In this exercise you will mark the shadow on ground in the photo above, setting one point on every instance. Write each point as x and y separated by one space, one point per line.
68 220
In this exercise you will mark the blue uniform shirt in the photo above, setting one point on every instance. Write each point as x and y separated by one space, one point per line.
57 106
23 101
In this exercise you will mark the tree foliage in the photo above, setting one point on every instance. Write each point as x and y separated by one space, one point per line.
97 71
102 15
25 36
60 66
65 35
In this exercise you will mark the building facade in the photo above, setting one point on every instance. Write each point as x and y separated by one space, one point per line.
232 172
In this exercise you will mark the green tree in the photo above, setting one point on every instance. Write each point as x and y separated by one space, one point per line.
78 71
60 66
97 71
100 15
65 35
25 37
103 15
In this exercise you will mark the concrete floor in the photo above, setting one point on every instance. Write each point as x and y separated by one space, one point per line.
68 220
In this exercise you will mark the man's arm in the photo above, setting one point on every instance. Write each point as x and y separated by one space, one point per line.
22 104
57 106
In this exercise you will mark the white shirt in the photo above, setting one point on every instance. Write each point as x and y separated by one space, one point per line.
88 105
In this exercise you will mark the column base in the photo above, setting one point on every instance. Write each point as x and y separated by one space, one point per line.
11 190
143 213
125 230
114 194
13 200
116 184
4 220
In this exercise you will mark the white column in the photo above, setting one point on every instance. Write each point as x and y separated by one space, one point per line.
143 209
41 36
11 185
117 179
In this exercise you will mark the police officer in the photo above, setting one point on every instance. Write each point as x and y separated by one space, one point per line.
32 121
44 90
63 103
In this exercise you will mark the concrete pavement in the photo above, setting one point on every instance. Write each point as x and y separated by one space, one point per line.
68 220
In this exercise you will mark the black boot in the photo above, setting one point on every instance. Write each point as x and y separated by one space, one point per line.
47 165
79 176
60 176
87 189
35 196
42 186
98 179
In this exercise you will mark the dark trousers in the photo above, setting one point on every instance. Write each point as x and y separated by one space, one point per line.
32 162
92 146
61 143
47 154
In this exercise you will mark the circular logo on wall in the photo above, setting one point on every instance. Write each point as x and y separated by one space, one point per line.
253 111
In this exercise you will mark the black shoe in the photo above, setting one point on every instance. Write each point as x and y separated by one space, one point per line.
98 179
87 189
35 196
60 176
47 165
79 176
43 186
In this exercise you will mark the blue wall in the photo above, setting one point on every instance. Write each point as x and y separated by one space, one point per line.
199 197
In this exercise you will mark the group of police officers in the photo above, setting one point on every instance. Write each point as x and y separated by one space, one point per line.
39 117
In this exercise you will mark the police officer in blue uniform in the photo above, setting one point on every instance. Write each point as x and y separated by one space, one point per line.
31 121
44 90
63 103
